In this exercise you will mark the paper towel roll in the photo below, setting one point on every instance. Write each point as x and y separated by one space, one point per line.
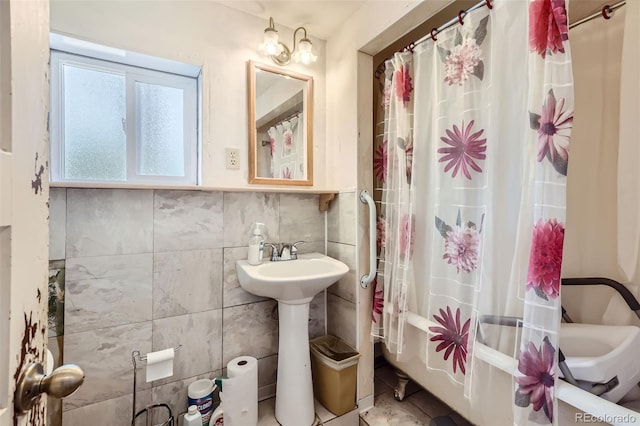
240 392
160 364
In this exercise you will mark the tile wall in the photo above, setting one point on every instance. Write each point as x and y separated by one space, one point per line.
152 269
341 245
348 304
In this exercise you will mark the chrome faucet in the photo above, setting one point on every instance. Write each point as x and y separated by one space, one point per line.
275 255
284 251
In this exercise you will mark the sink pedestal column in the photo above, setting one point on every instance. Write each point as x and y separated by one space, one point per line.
294 390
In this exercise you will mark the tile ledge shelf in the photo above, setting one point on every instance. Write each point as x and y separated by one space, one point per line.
261 188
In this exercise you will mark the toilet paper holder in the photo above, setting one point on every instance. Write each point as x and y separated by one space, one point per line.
170 421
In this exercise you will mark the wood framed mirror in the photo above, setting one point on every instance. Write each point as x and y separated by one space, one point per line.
280 126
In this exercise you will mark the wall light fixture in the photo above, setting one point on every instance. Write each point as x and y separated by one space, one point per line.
280 53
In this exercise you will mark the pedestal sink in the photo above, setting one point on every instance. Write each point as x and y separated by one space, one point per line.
293 283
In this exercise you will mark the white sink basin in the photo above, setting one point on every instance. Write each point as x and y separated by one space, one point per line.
293 283
291 280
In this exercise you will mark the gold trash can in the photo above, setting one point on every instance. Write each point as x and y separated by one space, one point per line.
334 367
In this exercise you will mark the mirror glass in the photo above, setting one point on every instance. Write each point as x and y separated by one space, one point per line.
280 126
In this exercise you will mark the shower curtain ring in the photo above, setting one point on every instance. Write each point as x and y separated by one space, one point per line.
461 14
489 5
434 31
606 12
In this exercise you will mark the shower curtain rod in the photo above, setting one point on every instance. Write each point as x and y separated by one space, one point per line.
277 120
290 117
605 13
435 31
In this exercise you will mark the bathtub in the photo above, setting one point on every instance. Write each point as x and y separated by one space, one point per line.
575 406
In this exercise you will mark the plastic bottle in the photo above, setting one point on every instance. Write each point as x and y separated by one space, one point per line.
193 417
217 418
256 244
202 394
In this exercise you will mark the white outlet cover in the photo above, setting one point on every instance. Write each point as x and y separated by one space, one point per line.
232 158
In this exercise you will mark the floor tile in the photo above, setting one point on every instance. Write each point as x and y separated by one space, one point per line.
419 406
267 412
429 404
459 420
267 416
324 414
348 419
387 374
389 412
380 387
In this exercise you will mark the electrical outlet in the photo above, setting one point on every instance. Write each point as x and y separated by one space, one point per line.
232 156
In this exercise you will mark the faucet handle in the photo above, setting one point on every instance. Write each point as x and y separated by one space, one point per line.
274 251
294 249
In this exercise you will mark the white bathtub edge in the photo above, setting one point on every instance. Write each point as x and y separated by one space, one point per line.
597 407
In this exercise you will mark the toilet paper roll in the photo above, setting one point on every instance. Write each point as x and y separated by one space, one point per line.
240 392
160 364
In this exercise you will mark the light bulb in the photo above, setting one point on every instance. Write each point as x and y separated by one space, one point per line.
304 53
270 45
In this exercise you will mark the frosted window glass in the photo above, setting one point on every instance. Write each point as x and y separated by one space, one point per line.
160 130
95 146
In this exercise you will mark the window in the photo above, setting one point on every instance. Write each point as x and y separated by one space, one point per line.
113 122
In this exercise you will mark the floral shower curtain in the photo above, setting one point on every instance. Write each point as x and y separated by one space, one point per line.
473 212
393 166
287 149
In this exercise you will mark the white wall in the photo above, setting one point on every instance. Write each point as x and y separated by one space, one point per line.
204 33
373 27
591 246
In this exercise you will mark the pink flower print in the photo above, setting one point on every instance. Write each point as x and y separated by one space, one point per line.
286 173
548 28
380 162
461 248
545 260
378 305
272 144
461 243
453 337
407 236
287 140
381 230
462 62
403 84
537 381
554 130
464 148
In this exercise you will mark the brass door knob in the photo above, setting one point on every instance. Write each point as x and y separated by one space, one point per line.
62 381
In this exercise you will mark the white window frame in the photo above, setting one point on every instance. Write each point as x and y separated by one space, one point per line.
133 75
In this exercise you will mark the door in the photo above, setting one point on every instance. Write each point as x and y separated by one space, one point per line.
24 234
